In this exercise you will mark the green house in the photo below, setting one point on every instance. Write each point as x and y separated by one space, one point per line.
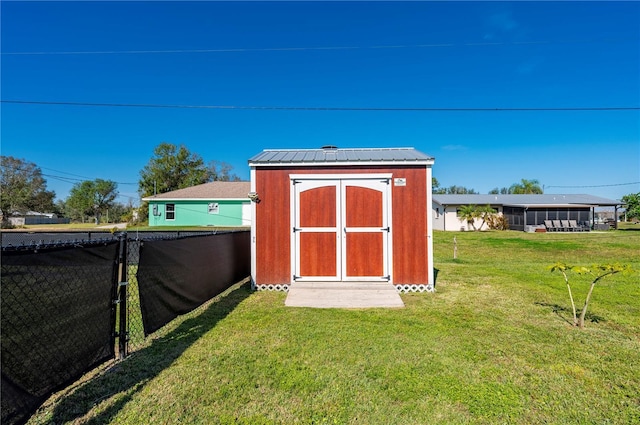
209 204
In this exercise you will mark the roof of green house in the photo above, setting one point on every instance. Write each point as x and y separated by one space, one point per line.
531 200
334 156
206 191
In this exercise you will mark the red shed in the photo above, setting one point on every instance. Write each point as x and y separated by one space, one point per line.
332 214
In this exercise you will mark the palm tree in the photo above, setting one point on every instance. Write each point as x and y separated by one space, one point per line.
485 213
469 213
525 186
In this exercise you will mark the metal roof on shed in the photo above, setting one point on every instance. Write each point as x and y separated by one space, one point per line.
532 200
336 155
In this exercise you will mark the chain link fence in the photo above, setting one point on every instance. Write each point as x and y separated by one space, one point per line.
72 301
57 319
21 239
136 338
135 242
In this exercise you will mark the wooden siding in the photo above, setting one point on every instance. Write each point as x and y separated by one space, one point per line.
318 207
409 221
364 254
364 207
319 257
273 227
409 224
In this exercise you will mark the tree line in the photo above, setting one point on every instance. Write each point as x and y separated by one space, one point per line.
23 188
523 187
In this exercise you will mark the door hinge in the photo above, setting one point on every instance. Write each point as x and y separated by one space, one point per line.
295 277
386 229
296 229
387 277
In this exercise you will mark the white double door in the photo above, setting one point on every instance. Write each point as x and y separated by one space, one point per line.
341 229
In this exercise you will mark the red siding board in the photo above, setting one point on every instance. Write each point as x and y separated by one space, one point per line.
364 254
318 207
273 255
319 258
410 228
366 205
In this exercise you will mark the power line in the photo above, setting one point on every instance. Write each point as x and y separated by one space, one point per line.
597 185
65 172
60 178
319 48
319 108
74 180
75 175
83 178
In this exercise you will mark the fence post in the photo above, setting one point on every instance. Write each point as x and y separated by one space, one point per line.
123 331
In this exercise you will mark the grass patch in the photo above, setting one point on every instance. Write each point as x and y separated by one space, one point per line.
70 226
185 228
629 225
131 228
492 345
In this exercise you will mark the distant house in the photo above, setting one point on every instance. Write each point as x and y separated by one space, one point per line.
209 204
524 212
34 217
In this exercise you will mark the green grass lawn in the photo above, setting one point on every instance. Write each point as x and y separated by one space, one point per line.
60 227
105 227
492 345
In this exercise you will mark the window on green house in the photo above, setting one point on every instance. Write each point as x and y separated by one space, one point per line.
170 211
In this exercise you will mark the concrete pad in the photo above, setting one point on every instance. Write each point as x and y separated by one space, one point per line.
343 295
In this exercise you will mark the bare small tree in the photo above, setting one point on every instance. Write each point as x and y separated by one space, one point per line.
598 271
563 269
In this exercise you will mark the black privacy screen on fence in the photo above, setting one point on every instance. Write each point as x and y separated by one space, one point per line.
67 300
176 276
57 320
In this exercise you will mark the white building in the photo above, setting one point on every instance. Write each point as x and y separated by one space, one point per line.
523 212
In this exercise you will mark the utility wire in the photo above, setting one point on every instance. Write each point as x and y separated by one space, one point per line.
317 108
72 180
295 49
61 178
77 175
597 185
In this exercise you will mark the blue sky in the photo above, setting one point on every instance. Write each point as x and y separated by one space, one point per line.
328 54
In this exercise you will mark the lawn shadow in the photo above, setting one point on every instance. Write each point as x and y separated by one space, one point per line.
128 377
453 261
594 318
558 309
629 229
